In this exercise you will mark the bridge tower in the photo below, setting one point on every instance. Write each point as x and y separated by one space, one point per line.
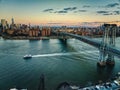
107 40
64 37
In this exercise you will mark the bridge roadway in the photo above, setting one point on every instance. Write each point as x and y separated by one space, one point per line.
95 43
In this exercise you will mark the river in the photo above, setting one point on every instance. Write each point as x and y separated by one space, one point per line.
73 61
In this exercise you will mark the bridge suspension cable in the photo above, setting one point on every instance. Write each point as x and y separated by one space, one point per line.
107 40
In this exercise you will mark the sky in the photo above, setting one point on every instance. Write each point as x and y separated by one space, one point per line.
61 12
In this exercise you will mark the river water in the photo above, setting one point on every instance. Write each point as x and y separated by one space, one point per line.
74 62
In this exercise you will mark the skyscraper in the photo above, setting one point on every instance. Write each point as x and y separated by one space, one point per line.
4 23
12 21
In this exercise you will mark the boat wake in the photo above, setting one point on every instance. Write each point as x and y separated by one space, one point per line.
61 54
49 55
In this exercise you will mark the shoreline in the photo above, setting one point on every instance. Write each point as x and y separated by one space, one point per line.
40 38
33 38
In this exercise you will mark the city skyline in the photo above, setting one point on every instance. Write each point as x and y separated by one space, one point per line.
61 12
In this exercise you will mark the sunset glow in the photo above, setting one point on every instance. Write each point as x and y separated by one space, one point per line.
61 12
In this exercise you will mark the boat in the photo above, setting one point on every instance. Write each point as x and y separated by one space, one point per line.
13 89
27 56
17 89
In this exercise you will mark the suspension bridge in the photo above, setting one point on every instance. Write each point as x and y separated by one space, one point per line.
106 46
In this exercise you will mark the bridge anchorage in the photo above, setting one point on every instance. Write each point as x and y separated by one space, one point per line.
108 39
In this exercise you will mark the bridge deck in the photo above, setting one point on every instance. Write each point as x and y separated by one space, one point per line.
95 43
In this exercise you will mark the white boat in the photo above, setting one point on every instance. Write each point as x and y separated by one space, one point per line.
27 56
13 89
17 89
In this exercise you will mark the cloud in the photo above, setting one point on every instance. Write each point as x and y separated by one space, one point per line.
48 10
80 11
116 12
86 6
109 12
65 10
112 5
70 8
62 11
102 12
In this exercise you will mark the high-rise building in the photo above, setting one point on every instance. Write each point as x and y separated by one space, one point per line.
12 26
46 31
12 21
4 23
0 28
